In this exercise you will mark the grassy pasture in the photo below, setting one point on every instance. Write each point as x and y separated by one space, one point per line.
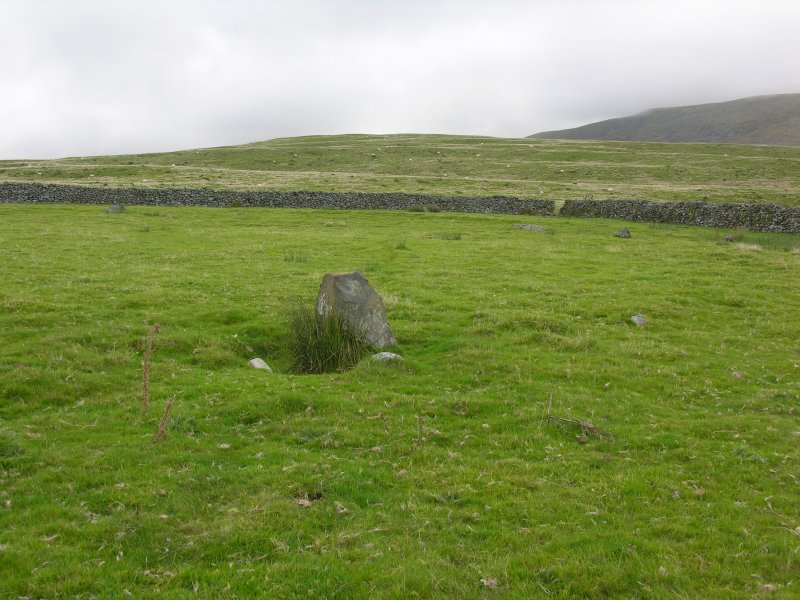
451 165
438 477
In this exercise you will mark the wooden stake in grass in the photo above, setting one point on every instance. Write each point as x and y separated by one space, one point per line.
162 425
148 352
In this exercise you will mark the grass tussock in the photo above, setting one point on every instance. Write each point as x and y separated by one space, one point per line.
322 344
295 256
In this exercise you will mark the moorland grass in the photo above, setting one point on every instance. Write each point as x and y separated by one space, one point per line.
441 476
450 165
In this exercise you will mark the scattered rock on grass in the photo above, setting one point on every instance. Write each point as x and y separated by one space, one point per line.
639 320
623 233
115 208
529 227
257 363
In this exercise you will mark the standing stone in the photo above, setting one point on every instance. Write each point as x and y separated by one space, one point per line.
350 296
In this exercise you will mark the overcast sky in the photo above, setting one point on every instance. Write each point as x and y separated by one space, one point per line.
120 76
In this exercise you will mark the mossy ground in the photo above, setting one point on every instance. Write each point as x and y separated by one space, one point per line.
451 165
436 477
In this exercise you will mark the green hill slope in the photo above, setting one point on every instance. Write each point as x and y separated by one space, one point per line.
773 120
450 165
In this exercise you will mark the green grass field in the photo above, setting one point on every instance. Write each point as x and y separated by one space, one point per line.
438 477
451 165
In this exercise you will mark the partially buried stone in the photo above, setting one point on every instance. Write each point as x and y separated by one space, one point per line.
529 227
257 363
386 356
639 320
350 296
623 233
115 208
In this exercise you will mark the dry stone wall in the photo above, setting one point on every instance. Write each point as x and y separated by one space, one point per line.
31 193
757 217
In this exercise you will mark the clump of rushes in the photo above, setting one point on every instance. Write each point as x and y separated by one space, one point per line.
322 344
148 353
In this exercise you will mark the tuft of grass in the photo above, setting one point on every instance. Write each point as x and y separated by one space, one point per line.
295 256
748 246
322 344
449 235
402 244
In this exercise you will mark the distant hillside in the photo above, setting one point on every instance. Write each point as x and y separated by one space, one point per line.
771 120
449 166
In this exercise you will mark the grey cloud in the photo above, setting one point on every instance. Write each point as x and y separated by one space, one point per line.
100 77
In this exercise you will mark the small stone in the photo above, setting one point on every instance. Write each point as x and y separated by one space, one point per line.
386 356
115 208
737 375
489 582
257 363
676 494
639 320
529 227
623 233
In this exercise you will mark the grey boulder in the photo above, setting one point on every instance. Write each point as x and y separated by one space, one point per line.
350 296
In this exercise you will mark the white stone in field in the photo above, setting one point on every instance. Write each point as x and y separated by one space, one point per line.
257 363
639 320
529 227
386 356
